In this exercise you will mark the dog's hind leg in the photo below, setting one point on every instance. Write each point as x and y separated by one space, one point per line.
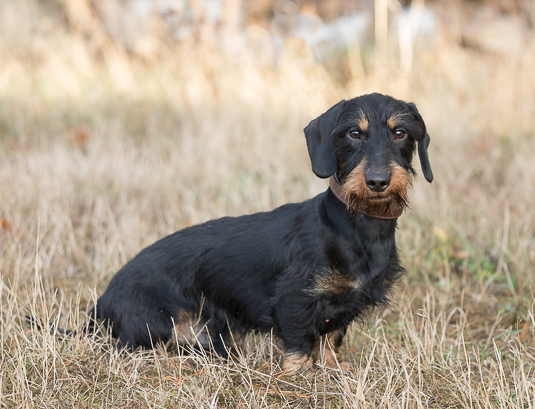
192 330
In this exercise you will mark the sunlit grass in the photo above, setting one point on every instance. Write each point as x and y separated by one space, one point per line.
100 157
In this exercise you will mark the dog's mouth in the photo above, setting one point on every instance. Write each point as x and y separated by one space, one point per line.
385 205
383 208
380 197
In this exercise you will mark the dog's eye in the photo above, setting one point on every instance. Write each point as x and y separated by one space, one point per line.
354 134
399 134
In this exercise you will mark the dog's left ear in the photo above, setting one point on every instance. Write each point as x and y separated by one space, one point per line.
423 143
319 134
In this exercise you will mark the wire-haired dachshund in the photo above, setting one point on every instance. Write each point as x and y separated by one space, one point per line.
304 270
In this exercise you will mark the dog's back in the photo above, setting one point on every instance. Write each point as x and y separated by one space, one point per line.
228 264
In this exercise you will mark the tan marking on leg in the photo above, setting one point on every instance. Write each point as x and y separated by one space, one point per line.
183 325
329 354
294 362
189 329
237 347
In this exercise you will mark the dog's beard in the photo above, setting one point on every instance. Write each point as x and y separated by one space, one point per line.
379 204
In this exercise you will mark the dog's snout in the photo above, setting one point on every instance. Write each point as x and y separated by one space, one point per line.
378 181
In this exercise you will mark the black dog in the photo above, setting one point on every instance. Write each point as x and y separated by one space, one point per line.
305 270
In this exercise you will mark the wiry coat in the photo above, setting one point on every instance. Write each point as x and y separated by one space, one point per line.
305 270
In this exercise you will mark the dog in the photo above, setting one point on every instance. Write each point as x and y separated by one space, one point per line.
306 270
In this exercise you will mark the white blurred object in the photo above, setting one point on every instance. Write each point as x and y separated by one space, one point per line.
323 39
411 23
131 21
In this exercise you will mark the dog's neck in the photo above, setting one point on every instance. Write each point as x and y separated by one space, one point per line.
338 191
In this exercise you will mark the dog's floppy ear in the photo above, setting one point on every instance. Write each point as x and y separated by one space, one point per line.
423 143
319 134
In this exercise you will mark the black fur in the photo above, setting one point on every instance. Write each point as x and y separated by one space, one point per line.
304 270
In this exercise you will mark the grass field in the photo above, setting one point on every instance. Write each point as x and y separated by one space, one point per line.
101 154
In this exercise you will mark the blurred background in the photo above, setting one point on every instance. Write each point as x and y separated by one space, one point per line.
122 121
125 120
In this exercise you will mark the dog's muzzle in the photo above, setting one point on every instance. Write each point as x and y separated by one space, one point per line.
378 193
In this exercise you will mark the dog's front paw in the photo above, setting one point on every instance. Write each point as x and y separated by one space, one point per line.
332 360
336 365
293 363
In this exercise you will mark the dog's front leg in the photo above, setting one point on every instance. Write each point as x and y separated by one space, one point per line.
329 349
296 328
298 346
294 362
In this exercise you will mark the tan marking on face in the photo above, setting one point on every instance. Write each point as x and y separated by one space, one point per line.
294 362
400 181
334 283
363 122
356 193
354 187
394 120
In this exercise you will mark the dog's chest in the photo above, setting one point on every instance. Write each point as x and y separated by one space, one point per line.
335 284
342 298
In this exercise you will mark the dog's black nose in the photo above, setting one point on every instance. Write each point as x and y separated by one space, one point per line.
377 181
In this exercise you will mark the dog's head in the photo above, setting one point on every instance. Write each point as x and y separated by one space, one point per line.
368 143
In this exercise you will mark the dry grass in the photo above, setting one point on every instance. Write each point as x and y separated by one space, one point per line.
99 158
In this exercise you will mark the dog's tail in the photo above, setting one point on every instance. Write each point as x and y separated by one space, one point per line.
88 326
